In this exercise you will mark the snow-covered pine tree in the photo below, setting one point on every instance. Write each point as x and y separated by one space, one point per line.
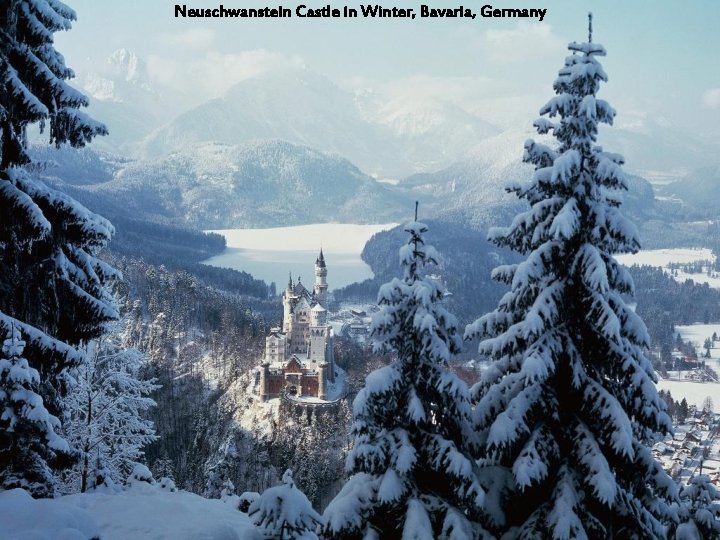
413 477
700 510
33 76
101 477
28 437
107 413
52 285
284 512
569 406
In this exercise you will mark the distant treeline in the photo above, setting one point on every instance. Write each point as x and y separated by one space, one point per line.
182 249
662 302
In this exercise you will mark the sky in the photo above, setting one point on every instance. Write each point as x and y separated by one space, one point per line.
661 59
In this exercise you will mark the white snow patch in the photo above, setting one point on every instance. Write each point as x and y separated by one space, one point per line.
694 392
141 512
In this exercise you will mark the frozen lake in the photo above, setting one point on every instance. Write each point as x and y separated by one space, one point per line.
269 254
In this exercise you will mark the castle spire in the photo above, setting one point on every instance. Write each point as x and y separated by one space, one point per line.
321 286
320 261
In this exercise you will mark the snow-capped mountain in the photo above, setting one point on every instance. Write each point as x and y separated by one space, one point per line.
124 98
431 133
296 105
385 138
255 184
388 135
119 79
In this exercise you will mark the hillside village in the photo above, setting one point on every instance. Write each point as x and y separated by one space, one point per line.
694 448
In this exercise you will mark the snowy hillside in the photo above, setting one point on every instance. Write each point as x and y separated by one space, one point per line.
255 184
697 190
655 149
77 167
696 264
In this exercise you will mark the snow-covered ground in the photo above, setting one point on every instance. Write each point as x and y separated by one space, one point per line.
663 258
141 512
696 334
694 392
269 254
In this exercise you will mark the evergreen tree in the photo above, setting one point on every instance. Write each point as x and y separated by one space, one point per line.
708 407
33 75
106 409
52 285
101 476
682 411
163 466
569 407
700 513
412 472
228 490
28 437
284 512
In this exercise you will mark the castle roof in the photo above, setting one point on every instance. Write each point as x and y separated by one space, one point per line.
318 308
320 261
300 288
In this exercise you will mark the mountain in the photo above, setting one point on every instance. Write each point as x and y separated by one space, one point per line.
697 191
123 97
431 133
473 190
297 106
265 183
387 139
658 150
76 166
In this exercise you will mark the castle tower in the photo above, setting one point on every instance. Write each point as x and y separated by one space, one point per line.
321 285
287 306
322 380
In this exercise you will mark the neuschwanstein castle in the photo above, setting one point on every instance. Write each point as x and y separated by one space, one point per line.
299 356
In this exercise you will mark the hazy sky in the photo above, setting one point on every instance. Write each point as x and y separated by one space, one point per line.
662 54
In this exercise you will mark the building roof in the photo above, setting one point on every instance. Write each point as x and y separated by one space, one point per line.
320 261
